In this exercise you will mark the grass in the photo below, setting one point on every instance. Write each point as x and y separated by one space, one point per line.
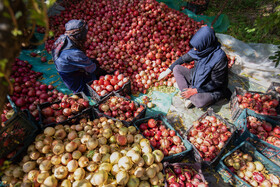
243 15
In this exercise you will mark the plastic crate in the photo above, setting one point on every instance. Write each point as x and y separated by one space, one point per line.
195 166
22 151
246 147
125 89
272 89
99 113
85 114
82 95
229 142
197 9
172 158
47 104
270 151
18 132
234 105
15 108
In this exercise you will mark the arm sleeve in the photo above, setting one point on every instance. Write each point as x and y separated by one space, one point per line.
183 59
80 60
219 75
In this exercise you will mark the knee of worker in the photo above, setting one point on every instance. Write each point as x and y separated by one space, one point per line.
177 69
199 102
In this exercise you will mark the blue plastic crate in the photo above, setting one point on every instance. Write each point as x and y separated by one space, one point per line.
125 89
236 110
172 158
229 142
246 147
40 107
270 151
196 166
18 133
127 123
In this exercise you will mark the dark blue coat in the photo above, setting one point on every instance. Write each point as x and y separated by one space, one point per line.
211 69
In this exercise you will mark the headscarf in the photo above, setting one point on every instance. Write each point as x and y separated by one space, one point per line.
74 37
208 52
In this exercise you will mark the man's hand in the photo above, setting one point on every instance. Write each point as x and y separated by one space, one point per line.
188 92
164 74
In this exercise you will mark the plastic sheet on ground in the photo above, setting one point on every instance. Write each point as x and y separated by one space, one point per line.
161 100
252 60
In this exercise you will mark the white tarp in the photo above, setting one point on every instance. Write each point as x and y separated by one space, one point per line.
252 60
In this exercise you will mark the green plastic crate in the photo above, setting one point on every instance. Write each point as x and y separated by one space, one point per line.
172 158
270 151
245 147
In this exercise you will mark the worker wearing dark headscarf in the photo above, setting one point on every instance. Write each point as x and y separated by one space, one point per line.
208 81
72 64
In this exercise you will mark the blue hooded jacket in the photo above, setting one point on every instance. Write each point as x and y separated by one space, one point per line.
211 69
72 64
208 53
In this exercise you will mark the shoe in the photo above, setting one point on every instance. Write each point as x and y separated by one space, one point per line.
188 103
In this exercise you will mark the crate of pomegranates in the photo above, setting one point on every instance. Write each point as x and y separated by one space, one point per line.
274 88
209 136
245 166
120 108
61 111
184 174
19 130
262 103
262 132
98 89
164 137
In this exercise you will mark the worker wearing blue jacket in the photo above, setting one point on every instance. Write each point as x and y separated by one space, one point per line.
68 53
207 82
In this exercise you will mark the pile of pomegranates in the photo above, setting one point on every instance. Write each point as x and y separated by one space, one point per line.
121 108
109 83
252 172
21 71
260 103
180 174
161 137
60 111
209 135
140 38
264 130
27 91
